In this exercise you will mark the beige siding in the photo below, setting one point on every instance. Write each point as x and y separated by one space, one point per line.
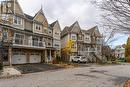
39 17
56 31
35 30
28 25
64 40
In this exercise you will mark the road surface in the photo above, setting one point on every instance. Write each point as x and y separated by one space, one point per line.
93 76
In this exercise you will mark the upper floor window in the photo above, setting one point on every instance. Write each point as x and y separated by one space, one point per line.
87 38
73 37
49 31
19 38
5 34
38 27
17 20
4 8
56 33
80 37
57 45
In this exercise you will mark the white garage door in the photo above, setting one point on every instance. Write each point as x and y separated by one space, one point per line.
35 58
19 58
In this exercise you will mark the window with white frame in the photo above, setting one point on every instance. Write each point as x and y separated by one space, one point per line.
38 27
17 20
73 37
56 33
19 38
35 41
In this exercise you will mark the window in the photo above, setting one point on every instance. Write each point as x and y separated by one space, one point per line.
38 27
87 38
9 4
80 37
17 20
49 44
4 8
57 45
35 41
19 38
73 37
56 33
50 32
5 34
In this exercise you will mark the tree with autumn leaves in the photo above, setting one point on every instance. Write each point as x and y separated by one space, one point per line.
66 51
127 50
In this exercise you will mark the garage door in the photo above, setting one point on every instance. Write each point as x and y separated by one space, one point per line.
19 58
35 58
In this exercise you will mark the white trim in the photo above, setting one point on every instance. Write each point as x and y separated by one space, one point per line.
29 46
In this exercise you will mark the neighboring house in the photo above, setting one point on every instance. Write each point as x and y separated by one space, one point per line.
87 42
25 38
107 52
120 51
56 37
72 33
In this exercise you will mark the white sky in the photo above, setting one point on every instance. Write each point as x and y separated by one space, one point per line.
66 11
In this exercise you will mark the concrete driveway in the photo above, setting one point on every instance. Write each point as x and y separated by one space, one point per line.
93 76
33 68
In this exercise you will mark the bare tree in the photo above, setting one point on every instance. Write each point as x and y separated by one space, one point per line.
115 15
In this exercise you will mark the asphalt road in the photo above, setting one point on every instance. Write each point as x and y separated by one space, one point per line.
34 68
93 76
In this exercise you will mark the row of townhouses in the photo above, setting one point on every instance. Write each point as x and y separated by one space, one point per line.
87 43
31 39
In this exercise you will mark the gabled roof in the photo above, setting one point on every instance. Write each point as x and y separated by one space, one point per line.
94 29
40 11
85 31
65 31
53 24
74 28
90 31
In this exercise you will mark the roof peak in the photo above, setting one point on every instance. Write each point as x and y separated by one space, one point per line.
53 23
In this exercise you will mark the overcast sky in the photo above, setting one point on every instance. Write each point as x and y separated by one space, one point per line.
66 11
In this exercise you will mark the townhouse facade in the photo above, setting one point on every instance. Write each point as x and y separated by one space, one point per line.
25 38
87 43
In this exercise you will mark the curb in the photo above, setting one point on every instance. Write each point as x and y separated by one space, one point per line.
10 76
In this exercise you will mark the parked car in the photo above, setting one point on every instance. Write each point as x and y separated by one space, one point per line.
79 59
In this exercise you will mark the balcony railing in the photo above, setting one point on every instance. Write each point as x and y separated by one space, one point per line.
28 42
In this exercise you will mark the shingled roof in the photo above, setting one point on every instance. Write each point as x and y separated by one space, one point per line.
53 24
28 16
65 31
74 28
91 31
